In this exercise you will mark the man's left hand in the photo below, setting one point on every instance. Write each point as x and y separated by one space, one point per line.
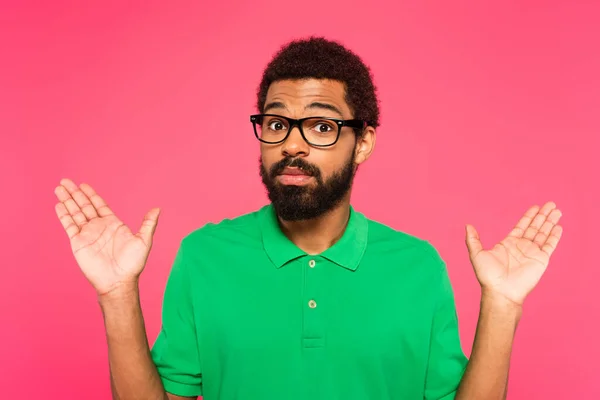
513 267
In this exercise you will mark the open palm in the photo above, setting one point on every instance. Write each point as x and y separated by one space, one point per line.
513 267
107 251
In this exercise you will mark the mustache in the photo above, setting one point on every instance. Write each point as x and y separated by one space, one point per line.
307 168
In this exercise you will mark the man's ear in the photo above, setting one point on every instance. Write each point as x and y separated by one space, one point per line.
365 144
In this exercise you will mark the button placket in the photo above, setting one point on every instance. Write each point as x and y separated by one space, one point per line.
313 324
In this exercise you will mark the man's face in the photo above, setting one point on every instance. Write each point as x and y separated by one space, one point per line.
303 181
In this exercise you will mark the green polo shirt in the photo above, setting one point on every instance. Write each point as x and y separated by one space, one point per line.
248 315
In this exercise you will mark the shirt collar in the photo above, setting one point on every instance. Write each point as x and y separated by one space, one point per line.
346 252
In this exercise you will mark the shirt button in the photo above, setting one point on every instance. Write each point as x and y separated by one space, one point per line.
312 304
311 263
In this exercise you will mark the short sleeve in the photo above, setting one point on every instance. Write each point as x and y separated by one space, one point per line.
175 351
447 361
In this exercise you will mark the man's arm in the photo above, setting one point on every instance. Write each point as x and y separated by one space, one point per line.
507 273
486 376
133 374
112 257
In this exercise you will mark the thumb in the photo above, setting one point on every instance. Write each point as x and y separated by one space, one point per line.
149 226
473 243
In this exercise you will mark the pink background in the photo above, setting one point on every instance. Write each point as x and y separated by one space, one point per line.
486 110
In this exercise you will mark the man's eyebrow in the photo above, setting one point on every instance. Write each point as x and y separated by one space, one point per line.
324 106
275 104
311 106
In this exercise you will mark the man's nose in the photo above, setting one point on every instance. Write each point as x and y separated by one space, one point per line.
295 144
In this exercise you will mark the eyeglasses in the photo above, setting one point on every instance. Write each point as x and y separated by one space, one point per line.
316 131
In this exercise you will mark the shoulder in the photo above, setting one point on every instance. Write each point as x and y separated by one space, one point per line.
411 261
229 231
402 245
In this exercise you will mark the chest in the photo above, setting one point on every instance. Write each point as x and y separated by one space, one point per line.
312 303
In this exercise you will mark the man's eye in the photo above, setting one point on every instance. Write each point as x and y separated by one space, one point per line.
323 128
276 125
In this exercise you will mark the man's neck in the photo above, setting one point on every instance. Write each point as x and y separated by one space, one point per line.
316 235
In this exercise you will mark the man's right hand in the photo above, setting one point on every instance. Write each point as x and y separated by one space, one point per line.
110 256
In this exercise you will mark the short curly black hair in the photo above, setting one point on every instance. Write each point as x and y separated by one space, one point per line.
319 58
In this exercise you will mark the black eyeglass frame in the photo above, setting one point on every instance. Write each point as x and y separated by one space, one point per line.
351 123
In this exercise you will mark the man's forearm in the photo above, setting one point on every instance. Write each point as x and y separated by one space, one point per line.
486 376
133 374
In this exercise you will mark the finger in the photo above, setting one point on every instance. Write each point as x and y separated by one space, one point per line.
80 198
524 222
551 221
539 220
149 226
99 204
473 243
72 207
66 220
552 240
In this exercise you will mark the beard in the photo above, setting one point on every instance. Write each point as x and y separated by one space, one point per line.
297 203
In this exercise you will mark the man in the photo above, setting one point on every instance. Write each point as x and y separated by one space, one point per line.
306 298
